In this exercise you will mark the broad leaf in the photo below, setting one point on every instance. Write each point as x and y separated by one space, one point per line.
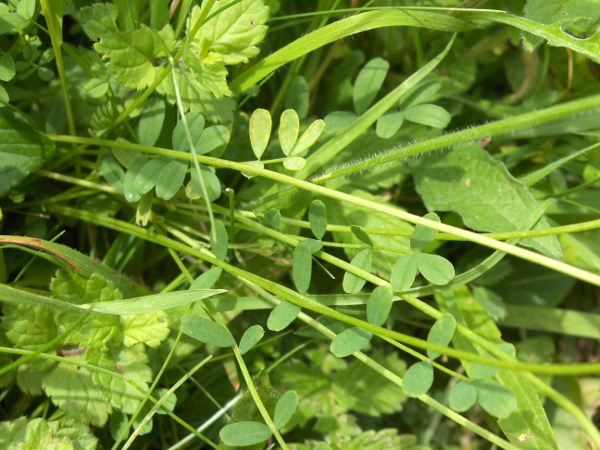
250 338
244 433
207 331
418 379
379 305
350 341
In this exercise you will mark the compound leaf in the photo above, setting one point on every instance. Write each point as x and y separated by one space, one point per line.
352 284
436 269
244 433
250 338
207 331
380 304
285 408
260 131
350 341
418 379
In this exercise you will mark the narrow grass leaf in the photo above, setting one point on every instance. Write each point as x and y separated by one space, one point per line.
317 218
260 131
302 268
206 331
131 194
352 284
294 163
361 235
430 115
436 269
289 127
380 304
112 172
282 315
148 175
171 179
462 396
418 379
368 83
250 338
350 341
219 246
441 333
151 121
389 124
207 280
308 138
495 399
423 236
404 273
285 408
241 434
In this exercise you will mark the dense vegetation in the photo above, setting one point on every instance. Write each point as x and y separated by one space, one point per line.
329 224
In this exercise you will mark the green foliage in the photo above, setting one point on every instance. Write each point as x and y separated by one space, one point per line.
206 331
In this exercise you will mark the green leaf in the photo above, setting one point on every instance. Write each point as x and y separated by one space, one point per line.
207 331
151 121
211 182
314 245
368 83
404 273
207 280
430 115
350 341
317 217
289 127
352 284
7 67
250 338
112 172
195 123
71 287
302 268
285 408
480 371
171 179
131 194
244 433
298 97
361 235
147 176
552 11
219 247
466 175
282 315
260 131
338 120
441 333
41 434
495 399
130 54
149 328
491 302
423 236
22 150
294 163
420 93
436 269
389 124
28 327
308 138
384 439
462 396
12 23
380 304
212 138
418 379
234 33
274 217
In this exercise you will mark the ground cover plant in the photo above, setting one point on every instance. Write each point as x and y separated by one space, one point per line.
330 224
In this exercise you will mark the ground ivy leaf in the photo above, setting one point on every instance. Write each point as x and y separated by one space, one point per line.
71 287
430 115
73 391
220 245
368 83
423 236
22 150
234 33
150 329
97 330
470 175
131 54
282 315
207 331
285 408
495 399
418 379
462 396
436 269
380 304
251 337
404 273
260 131
302 267
317 218
41 434
211 72
352 284
441 333
241 434
350 341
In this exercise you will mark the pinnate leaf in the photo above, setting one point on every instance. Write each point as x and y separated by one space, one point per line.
361 235
294 163
195 124
219 245
352 284
250 338
285 408
207 331
389 124
151 121
244 433
436 269
350 341
430 115
289 127
211 183
418 379
308 138
171 179
380 304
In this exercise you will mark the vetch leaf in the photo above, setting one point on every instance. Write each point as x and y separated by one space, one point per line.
317 217
302 268
441 333
282 315
206 331
368 83
361 235
404 273
251 337
294 163
241 434
207 280
289 127
151 121
462 396
350 341
430 115
314 245
480 371
423 236
211 182
22 150
274 217
112 172
495 399
129 190
436 269
352 284
7 67
418 379
212 138
285 408
388 124
420 93
260 131
380 304
147 177
219 247
195 122
308 138
171 179
298 96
